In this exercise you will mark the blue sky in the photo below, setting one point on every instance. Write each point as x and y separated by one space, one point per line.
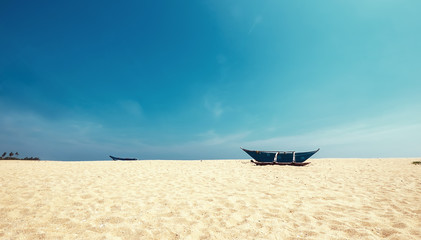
198 79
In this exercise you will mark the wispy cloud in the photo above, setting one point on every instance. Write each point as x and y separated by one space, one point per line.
34 135
214 106
395 135
211 145
212 138
257 20
132 107
377 137
220 58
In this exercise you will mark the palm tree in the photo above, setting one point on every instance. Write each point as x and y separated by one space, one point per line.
11 154
4 154
17 154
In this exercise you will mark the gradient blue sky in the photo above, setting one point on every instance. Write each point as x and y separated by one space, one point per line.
80 80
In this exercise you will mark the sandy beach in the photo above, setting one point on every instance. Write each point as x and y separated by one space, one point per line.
220 199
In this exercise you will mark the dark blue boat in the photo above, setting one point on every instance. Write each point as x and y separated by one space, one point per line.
123 159
280 157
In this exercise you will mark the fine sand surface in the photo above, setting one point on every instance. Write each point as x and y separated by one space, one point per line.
221 199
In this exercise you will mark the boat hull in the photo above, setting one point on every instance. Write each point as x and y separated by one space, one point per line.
123 159
279 156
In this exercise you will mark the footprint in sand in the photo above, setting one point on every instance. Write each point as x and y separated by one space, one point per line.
86 196
400 225
386 232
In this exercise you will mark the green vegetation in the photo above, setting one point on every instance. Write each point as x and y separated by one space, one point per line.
416 162
14 156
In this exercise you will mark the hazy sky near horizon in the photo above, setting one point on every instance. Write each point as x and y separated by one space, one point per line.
81 80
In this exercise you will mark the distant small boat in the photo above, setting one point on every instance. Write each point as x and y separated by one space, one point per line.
123 159
279 157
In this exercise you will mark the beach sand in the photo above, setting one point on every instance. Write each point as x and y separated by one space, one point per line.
220 199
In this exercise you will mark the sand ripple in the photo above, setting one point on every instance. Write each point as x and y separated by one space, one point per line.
327 199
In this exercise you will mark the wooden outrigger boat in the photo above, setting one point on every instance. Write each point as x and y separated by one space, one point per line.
123 159
280 157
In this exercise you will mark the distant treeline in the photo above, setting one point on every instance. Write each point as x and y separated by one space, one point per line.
14 156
